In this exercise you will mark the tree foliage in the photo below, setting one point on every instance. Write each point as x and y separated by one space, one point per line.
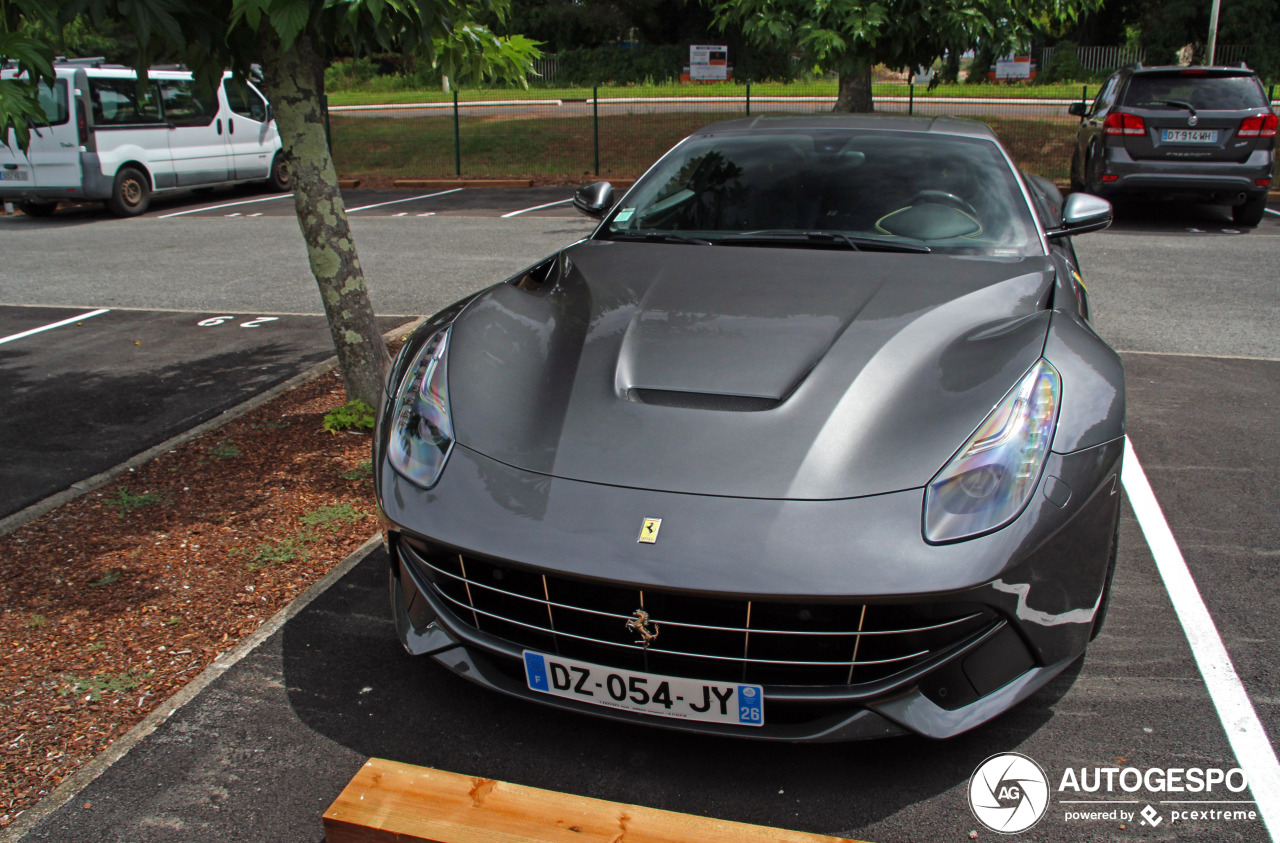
1169 25
850 36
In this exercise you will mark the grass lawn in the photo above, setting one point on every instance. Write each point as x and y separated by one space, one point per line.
535 145
728 89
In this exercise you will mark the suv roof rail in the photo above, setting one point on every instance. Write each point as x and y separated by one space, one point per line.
89 61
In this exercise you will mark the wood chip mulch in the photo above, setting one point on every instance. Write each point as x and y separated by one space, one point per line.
114 601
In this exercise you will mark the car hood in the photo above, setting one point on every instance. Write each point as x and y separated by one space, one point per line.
744 371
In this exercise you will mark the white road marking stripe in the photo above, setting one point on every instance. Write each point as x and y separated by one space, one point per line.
428 214
396 201
88 315
227 205
401 214
1269 211
254 215
537 208
233 214
1248 739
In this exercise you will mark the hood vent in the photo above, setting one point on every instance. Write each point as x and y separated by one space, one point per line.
702 400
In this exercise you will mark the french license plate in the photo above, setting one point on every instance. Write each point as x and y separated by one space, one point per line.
13 175
645 693
1189 135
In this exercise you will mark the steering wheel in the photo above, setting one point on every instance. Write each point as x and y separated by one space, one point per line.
942 197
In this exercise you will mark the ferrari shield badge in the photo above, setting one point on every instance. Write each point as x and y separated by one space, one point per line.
649 530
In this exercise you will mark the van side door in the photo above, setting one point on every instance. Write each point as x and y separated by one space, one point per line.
197 139
252 134
126 126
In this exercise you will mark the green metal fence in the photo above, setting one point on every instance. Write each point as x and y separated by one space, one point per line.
575 135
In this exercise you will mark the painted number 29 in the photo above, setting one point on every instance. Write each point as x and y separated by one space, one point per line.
252 323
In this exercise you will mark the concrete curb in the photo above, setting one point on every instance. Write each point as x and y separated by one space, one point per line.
97 481
100 763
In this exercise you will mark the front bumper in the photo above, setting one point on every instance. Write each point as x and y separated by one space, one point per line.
1038 582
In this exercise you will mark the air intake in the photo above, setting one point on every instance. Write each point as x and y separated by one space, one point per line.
703 400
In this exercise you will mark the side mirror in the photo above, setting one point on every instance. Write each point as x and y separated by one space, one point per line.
594 199
1078 109
1082 213
271 114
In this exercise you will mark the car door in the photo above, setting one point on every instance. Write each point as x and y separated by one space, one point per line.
197 141
251 134
1090 138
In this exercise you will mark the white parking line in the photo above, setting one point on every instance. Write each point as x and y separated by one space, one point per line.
396 201
227 205
1269 211
50 327
537 208
1248 739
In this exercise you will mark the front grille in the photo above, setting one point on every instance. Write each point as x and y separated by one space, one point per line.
763 642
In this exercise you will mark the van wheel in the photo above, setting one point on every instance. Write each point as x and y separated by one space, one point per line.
1251 212
38 209
130 194
280 180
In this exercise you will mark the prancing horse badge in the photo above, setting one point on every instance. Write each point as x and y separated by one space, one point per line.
649 530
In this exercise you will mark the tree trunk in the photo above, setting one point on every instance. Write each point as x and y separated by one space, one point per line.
294 83
855 88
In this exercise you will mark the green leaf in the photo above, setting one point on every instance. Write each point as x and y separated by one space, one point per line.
289 18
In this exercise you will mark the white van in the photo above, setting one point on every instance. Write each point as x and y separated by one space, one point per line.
106 139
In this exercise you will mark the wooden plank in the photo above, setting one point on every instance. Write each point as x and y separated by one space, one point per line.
390 802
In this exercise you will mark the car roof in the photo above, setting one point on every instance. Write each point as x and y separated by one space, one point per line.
955 126
1194 70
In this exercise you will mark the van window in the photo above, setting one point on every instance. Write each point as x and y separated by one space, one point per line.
245 101
54 102
186 104
119 102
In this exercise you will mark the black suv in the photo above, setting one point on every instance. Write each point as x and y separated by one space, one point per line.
1202 133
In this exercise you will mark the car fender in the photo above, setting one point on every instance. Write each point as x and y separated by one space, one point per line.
1093 397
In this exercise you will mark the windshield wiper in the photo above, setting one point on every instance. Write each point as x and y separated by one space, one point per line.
659 237
802 238
1185 106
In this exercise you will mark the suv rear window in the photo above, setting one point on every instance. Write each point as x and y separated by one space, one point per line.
1203 91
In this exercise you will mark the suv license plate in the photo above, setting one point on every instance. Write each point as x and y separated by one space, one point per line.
1189 135
645 693
13 175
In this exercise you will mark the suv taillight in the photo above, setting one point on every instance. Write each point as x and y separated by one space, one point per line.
1119 123
1258 126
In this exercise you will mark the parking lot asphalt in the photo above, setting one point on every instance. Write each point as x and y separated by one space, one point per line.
104 385
259 755
261 752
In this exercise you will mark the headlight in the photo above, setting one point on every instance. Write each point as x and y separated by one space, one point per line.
990 480
421 430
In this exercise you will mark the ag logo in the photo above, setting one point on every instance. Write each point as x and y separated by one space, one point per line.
1009 793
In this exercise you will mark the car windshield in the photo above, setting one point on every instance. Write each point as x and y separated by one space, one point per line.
1210 93
837 188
